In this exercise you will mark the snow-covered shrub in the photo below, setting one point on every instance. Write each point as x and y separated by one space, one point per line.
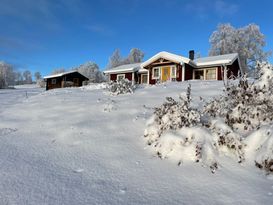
226 140
246 106
121 87
188 144
181 133
41 83
260 148
172 115
175 132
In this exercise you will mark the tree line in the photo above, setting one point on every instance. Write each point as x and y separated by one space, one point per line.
9 76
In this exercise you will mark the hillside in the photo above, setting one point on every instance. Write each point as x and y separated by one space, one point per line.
84 146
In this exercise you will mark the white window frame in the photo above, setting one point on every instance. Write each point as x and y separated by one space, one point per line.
213 68
153 72
175 70
120 75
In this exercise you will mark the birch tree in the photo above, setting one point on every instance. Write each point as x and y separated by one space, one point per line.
247 41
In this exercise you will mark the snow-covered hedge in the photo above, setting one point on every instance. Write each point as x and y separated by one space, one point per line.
121 87
229 124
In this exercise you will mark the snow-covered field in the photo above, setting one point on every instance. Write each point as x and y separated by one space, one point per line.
84 146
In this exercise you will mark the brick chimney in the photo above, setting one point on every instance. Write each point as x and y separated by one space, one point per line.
191 54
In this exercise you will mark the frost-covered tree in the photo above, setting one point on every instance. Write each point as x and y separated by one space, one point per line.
58 70
27 76
247 41
91 71
37 76
7 75
115 59
18 78
135 56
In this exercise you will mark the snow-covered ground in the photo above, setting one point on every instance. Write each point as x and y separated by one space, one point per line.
84 146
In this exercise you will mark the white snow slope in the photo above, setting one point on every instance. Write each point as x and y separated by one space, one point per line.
84 146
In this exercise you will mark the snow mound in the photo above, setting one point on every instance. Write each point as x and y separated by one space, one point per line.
94 86
187 145
260 148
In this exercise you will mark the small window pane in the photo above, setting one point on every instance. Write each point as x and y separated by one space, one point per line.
156 73
211 74
173 74
120 77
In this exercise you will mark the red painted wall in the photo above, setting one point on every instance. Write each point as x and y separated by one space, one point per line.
188 72
113 77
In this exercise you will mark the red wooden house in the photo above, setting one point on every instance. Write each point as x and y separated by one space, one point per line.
165 66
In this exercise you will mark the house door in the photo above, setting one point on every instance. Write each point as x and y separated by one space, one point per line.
76 82
144 78
166 71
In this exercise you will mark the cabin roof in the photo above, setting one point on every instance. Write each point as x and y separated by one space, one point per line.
62 74
216 60
124 68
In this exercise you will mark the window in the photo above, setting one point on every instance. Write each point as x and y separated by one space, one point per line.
155 73
211 74
53 81
120 77
173 72
199 74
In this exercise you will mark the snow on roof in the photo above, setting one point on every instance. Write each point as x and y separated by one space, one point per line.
216 60
168 56
60 74
142 70
124 68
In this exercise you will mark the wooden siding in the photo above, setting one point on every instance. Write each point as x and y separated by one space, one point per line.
188 72
179 72
113 77
219 73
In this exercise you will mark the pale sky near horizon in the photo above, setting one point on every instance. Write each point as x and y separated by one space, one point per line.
41 35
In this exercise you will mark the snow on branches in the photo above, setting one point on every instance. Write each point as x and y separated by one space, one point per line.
229 124
120 87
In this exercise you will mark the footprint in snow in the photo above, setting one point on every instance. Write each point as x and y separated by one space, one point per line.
78 170
76 143
123 191
6 131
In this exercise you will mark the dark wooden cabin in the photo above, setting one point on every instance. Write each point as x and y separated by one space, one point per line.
66 79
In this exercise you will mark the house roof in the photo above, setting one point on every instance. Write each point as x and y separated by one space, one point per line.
199 62
124 68
62 74
168 56
216 60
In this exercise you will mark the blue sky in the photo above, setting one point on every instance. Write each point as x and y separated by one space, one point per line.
41 35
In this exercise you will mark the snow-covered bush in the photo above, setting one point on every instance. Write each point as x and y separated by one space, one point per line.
226 140
260 148
237 124
188 144
172 115
246 106
121 87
